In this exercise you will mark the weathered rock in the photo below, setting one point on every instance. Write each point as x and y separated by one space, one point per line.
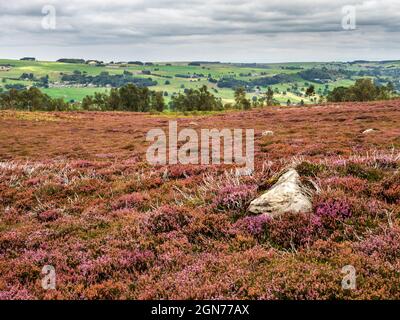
287 195
369 131
165 174
267 133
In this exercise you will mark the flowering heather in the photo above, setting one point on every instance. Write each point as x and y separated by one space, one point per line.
114 227
235 197
49 215
385 245
349 184
334 208
182 172
390 189
168 218
133 200
254 225
293 231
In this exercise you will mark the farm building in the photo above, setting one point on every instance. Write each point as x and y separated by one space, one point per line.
94 62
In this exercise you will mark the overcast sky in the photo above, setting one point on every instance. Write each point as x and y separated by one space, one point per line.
187 30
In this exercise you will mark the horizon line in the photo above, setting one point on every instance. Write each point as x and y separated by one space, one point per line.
204 61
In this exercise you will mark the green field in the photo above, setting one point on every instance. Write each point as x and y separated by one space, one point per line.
69 94
162 72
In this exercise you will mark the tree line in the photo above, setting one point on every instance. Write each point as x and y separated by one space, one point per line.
105 79
363 90
31 99
127 98
134 98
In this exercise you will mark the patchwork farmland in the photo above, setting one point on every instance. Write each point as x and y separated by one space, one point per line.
289 81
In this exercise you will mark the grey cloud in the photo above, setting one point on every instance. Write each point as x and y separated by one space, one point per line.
222 25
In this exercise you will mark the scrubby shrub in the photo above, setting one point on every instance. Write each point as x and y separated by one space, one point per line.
295 230
309 169
332 212
184 171
33 181
384 245
167 219
107 290
390 189
138 260
207 227
333 209
81 164
49 215
254 225
360 171
235 198
11 241
289 231
50 190
348 184
16 293
128 201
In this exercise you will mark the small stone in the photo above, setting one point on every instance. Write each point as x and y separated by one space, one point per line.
267 133
369 131
165 174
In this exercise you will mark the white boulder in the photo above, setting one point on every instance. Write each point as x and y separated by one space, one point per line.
287 195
